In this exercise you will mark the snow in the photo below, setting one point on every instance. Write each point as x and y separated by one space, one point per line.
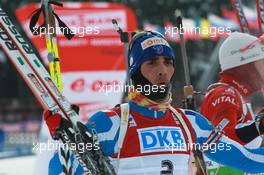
18 165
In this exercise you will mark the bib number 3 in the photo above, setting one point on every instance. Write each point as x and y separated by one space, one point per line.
167 166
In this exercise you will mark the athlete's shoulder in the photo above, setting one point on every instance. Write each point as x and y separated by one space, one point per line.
103 120
220 89
219 95
106 124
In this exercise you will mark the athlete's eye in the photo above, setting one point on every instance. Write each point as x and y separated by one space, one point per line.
168 61
151 62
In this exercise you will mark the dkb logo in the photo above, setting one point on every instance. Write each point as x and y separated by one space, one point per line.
156 139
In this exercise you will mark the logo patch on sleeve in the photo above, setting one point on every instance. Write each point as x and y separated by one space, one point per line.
161 139
224 99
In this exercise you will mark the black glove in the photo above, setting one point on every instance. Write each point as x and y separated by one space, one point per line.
56 124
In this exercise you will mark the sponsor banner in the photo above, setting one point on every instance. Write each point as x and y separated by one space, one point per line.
94 59
94 90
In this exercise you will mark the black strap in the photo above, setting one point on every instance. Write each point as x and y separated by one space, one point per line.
55 3
34 19
68 32
37 30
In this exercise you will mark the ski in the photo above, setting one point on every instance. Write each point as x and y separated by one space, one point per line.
38 79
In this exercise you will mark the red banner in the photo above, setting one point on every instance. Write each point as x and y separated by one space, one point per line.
96 45
94 59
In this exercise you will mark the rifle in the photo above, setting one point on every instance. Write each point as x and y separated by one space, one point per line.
189 95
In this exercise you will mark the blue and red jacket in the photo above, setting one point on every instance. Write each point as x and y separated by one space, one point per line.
156 141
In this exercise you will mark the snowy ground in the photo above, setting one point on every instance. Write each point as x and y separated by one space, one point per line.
18 165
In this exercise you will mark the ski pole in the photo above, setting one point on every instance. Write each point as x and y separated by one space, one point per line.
48 42
51 39
54 64
51 43
54 68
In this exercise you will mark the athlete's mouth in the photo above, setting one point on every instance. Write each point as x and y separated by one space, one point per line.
161 83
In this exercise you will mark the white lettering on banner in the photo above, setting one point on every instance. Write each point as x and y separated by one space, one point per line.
80 42
224 99
94 18
80 85
160 139
84 86
105 42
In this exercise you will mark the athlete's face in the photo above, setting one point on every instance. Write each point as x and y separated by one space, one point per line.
158 70
251 75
